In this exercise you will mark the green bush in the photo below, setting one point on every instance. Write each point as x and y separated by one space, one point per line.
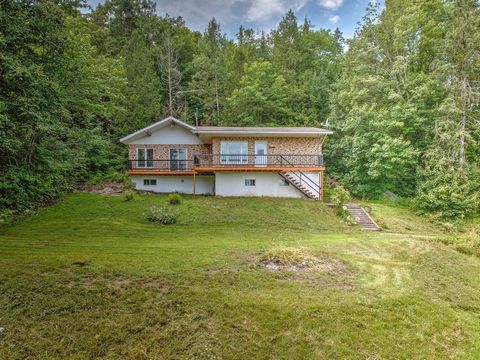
5 215
161 215
128 184
449 192
339 196
128 195
174 199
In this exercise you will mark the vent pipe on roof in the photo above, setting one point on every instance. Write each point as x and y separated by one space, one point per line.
196 117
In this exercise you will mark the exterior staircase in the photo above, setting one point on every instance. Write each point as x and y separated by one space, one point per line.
303 183
363 219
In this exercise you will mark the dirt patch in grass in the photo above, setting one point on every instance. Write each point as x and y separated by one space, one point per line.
300 260
110 188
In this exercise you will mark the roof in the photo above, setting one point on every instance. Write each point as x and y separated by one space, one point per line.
226 130
154 127
257 130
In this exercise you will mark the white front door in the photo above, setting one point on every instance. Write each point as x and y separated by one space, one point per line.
260 153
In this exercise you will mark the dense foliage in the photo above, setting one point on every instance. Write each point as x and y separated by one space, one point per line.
406 109
402 97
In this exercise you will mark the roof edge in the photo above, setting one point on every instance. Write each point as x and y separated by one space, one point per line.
131 136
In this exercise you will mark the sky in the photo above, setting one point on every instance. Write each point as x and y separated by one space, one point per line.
263 14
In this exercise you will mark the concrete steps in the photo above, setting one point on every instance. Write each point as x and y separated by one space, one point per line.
361 216
295 181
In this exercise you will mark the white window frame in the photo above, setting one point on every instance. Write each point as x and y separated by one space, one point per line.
229 158
145 181
184 162
146 162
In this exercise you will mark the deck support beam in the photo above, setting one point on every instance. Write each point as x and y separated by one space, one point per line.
194 183
321 186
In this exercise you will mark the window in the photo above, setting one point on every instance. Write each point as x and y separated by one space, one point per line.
145 157
234 152
149 182
249 182
178 159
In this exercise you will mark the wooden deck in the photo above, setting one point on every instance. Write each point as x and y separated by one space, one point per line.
211 169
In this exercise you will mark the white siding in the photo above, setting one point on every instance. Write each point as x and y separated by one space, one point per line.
266 184
169 135
180 184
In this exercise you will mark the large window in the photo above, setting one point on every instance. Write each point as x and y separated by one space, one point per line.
234 152
145 157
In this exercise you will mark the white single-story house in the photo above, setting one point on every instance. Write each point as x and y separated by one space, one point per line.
173 156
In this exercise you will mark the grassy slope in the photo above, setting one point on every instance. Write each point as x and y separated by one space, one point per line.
90 278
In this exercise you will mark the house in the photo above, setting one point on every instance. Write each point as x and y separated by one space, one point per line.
173 156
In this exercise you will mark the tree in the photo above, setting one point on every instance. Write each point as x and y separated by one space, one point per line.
261 99
386 101
171 76
144 100
458 67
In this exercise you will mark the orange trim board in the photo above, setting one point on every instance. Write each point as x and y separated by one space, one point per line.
160 172
223 168
243 168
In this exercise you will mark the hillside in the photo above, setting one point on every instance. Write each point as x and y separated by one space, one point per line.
90 278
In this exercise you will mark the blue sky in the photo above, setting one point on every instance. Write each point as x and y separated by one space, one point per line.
263 14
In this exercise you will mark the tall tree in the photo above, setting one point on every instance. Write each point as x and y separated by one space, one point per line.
171 76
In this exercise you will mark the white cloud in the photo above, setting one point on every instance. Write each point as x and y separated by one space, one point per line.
330 4
334 19
262 10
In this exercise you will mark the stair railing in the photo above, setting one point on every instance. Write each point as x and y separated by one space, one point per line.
310 183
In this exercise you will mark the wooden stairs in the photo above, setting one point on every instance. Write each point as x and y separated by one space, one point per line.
362 217
303 183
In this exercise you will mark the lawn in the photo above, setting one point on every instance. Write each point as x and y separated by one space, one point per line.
89 278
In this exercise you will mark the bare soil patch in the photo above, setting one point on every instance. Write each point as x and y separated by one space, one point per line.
110 188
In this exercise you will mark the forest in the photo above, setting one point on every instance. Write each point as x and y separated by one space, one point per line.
402 96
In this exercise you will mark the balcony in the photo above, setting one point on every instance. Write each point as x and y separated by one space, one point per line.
162 167
244 162
227 162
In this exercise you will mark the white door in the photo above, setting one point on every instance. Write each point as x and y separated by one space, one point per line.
260 153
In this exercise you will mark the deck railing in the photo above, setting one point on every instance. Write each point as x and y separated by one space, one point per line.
244 160
228 160
160 165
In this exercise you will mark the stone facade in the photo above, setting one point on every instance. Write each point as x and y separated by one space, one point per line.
162 152
277 145
310 146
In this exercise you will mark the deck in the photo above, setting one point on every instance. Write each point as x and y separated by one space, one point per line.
209 163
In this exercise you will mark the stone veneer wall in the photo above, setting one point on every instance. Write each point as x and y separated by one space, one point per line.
277 145
162 152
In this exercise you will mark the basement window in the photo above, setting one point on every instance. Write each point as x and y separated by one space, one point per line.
149 182
249 182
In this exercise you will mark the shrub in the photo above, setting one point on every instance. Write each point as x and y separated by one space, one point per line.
449 192
128 184
161 215
128 195
5 215
174 199
339 195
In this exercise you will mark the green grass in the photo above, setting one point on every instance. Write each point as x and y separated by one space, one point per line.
90 278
